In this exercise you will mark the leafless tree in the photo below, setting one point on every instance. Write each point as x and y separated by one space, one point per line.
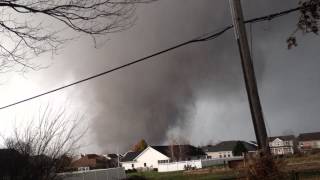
177 148
29 27
46 144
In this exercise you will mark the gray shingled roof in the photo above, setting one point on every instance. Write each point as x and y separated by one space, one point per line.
228 146
129 156
188 150
113 156
309 136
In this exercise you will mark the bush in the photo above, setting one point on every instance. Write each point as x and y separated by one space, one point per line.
265 167
131 171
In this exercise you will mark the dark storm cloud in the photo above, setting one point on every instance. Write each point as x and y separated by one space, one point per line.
147 100
151 98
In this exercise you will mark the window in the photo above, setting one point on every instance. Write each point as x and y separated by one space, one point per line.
287 143
228 155
220 156
224 155
162 161
145 164
132 165
83 169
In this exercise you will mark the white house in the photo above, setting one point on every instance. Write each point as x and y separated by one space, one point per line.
282 145
152 156
309 141
223 150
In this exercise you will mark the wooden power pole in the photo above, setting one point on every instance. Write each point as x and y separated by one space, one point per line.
249 75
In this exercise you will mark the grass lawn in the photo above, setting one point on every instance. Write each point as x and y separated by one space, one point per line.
307 167
180 176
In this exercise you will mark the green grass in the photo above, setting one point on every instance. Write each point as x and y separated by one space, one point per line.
297 160
180 176
209 176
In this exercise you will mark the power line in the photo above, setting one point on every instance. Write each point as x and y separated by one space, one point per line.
272 16
196 40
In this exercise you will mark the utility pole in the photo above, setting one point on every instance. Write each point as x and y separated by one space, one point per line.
249 76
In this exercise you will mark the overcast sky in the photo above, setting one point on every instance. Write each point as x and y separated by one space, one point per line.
195 93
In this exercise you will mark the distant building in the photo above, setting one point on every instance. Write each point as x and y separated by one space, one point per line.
91 161
223 150
282 145
114 158
153 155
309 141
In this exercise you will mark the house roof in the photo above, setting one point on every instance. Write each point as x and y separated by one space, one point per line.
130 156
309 136
94 156
284 138
188 150
228 146
113 156
90 160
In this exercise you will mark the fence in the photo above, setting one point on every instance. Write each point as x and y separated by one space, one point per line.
196 164
99 174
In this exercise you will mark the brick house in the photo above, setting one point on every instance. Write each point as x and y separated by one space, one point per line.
309 141
91 161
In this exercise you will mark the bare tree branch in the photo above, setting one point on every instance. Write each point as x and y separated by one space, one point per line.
28 28
46 142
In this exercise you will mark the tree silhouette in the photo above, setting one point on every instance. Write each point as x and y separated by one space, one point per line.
140 146
308 21
45 144
239 149
29 28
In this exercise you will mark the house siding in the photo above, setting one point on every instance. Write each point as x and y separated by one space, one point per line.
281 147
220 154
308 145
151 157
147 159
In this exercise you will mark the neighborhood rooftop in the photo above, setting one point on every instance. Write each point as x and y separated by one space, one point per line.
129 156
228 146
112 155
188 150
285 138
309 136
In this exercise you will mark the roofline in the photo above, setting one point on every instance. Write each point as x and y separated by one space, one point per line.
126 153
271 139
146 150
276 139
309 140
242 141
141 153
132 159
217 151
